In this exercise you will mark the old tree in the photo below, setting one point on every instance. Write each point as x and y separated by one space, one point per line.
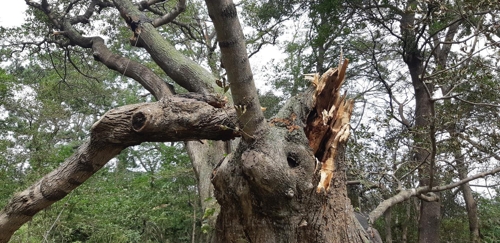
276 180
271 188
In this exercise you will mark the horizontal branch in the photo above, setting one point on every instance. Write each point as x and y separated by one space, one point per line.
175 118
407 194
475 103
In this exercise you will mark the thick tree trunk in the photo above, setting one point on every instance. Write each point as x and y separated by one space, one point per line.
267 194
424 153
275 190
430 211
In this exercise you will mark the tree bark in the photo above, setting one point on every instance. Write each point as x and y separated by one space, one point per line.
274 190
174 119
286 180
235 60
205 155
406 223
388 226
267 194
181 69
423 137
470 202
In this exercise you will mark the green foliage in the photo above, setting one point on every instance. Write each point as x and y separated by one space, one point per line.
125 206
51 107
262 13
271 102
489 211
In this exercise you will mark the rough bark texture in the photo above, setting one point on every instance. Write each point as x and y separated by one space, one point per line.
183 70
89 158
235 60
424 154
173 119
273 188
267 193
268 188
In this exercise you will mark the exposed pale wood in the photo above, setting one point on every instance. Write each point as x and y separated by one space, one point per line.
328 126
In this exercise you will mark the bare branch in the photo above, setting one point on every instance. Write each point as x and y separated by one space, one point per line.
479 146
147 78
142 74
407 194
186 29
474 103
376 65
68 54
167 18
143 5
84 19
466 59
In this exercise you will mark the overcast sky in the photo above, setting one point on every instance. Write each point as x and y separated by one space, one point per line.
13 15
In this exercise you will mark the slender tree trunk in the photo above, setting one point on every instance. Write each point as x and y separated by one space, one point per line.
470 202
193 229
404 234
204 157
423 137
388 231
462 169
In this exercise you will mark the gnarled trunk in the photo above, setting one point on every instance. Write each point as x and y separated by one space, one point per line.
289 185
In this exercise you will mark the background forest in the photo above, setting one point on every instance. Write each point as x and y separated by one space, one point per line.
52 92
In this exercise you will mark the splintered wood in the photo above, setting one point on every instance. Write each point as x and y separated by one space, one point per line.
328 124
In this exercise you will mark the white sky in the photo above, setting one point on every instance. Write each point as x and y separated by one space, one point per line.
12 13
